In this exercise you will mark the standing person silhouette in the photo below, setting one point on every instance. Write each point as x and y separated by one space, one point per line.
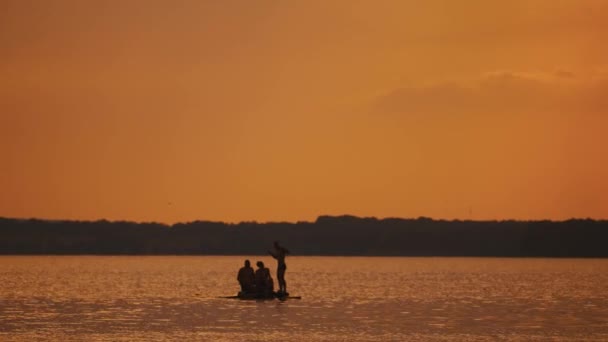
279 253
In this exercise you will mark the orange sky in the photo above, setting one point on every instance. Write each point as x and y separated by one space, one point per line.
283 110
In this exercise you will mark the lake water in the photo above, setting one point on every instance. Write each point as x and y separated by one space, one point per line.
93 298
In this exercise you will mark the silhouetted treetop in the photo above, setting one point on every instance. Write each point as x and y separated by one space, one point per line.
327 235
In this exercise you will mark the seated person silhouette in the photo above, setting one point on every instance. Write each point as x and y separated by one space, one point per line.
246 278
264 285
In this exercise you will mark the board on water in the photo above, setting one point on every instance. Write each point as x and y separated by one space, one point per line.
253 297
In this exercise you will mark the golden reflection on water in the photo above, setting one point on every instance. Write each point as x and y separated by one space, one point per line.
359 299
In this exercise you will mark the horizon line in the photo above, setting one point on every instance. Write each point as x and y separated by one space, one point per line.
302 221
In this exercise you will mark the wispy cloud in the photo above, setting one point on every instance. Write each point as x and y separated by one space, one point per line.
503 92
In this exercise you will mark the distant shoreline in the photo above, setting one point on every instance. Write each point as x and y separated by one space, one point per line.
327 236
321 217
310 255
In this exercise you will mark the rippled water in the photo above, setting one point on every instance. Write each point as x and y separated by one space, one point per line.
355 299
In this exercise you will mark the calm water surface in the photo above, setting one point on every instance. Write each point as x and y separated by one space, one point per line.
356 299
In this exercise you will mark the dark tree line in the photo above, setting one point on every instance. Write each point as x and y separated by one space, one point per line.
328 235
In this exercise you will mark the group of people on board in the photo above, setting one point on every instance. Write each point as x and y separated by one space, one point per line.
259 283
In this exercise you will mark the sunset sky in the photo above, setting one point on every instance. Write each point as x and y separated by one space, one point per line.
284 110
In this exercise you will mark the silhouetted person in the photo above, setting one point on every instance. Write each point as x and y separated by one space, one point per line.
279 253
264 285
246 278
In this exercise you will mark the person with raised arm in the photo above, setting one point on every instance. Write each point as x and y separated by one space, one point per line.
279 253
